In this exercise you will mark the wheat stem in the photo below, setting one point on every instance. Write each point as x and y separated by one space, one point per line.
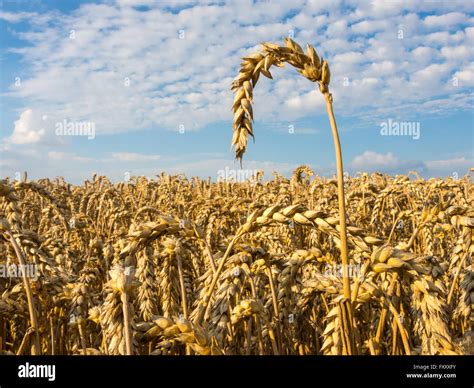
31 304
210 290
126 323
342 212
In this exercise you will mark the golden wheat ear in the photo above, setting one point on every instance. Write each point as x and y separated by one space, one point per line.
309 65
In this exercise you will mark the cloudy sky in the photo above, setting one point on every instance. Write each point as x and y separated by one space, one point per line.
152 79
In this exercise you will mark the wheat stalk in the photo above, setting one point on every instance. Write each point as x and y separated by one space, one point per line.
257 262
314 69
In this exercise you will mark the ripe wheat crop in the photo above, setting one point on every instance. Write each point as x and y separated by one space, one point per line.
130 268
371 264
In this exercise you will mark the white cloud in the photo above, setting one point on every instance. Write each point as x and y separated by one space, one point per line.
389 163
445 20
28 129
462 163
454 167
351 57
127 69
383 68
134 3
457 52
134 157
431 77
443 38
337 29
370 160
64 156
15 17
424 54
369 26
469 31
465 76
306 102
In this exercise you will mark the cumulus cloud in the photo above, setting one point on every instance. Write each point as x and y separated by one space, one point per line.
28 129
388 162
424 54
465 76
369 26
445 20
371 160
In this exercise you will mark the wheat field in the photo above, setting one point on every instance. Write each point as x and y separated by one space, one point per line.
178 266
371 264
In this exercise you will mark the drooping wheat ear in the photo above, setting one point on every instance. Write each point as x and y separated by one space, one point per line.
309 65
314 69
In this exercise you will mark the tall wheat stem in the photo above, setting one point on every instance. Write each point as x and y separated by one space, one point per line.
342 218
341 199
29 296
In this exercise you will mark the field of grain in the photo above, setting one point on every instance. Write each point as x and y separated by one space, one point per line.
186 266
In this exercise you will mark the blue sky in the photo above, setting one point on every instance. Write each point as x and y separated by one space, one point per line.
153 79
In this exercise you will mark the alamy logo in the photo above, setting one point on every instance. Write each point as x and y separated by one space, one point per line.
400 128
19 270
75 128
232 175
37 371
353 270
